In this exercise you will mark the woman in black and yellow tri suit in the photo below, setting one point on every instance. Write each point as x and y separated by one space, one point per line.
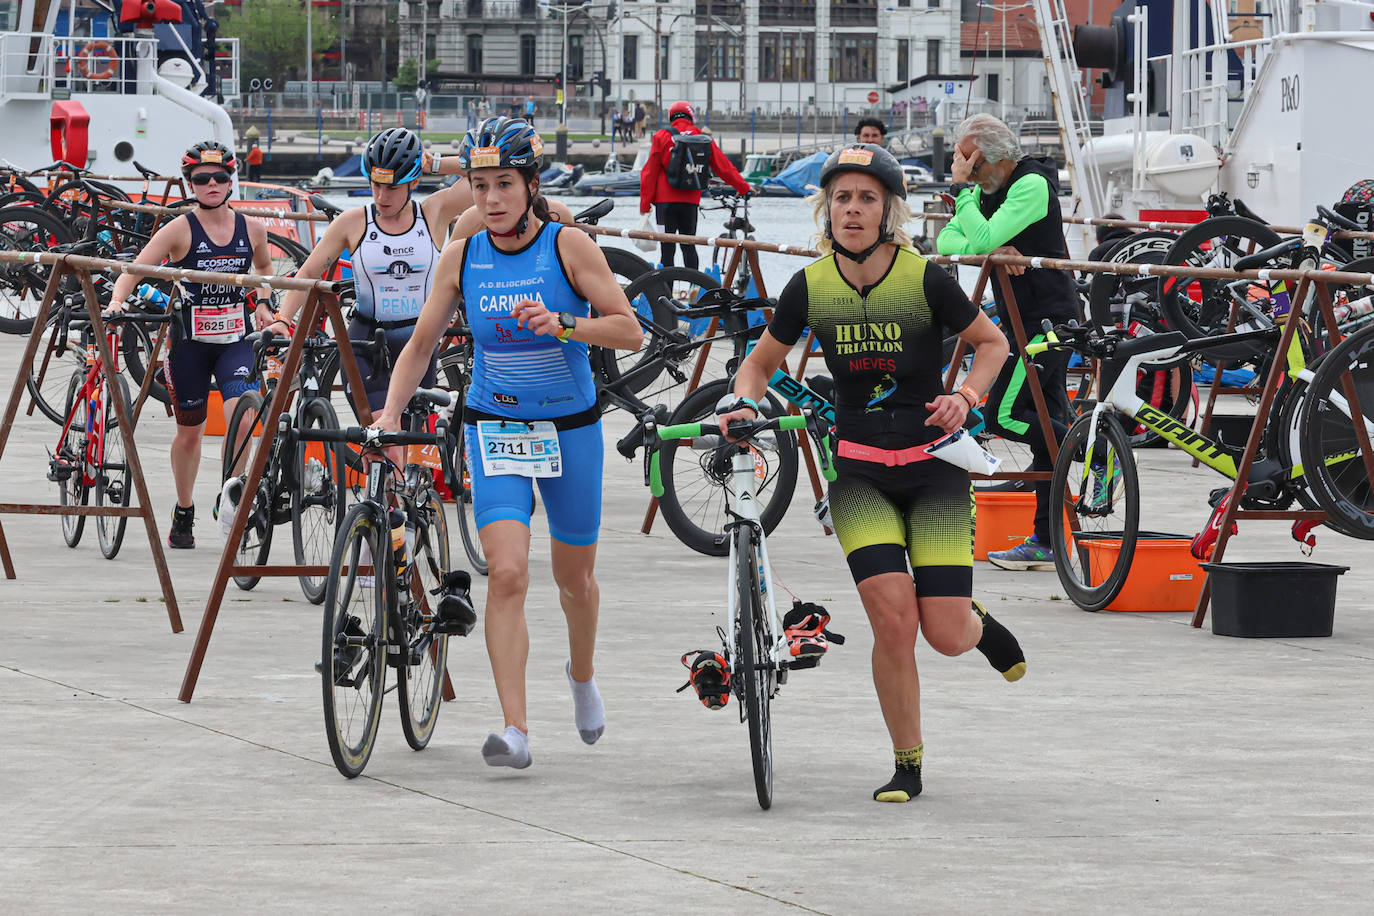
879 310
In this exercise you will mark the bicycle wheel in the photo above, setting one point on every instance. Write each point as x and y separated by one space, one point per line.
1201 307
694 472
461 487
681 284
22 285
73 491
1094 534
1166 389
353 648
753 645
1335 459
256 542
420 690
112 477
56 358
1108 293
319 496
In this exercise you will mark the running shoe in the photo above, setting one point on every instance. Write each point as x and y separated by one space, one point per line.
180 537
1032 553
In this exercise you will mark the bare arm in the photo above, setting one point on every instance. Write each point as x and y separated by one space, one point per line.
751 381
262 266
169 242
434 318
335 239
990 349
615 325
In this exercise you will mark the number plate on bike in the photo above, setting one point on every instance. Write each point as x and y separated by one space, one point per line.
519 449
426 456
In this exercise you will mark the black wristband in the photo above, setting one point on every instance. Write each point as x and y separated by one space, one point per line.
958 186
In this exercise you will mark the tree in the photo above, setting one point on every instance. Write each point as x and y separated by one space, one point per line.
407 75
272 38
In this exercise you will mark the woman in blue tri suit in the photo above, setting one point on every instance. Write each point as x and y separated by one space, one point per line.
528 286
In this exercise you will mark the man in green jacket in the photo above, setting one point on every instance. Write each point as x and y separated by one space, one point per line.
1008 203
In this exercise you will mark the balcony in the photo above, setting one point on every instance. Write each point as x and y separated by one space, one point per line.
731 11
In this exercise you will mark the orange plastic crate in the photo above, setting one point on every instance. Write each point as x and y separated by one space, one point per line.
1164 575
1004 517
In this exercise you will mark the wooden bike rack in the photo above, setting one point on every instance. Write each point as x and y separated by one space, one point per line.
82 267
322 296
1277 371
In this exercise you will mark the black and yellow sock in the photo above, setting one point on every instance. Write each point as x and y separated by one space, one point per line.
906 782
1000 648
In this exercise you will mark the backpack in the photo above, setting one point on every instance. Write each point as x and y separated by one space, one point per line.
1357 204
689 163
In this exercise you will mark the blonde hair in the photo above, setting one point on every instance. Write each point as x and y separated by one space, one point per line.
898 215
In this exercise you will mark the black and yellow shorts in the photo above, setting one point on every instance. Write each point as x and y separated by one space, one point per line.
922 515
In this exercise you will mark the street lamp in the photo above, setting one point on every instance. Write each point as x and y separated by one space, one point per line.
566 9
1003 9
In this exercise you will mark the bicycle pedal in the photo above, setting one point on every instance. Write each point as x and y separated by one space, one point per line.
804 661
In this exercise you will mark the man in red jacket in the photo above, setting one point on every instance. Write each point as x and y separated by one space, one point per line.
675 207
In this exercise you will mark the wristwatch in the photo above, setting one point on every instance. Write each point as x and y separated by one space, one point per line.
569 321
958 186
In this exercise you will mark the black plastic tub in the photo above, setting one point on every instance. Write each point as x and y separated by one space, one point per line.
1284 599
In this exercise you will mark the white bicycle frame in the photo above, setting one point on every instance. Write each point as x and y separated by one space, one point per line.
742 505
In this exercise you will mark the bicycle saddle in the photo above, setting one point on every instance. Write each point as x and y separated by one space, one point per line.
1150 343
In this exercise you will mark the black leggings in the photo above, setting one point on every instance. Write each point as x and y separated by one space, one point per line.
680 218
1010 413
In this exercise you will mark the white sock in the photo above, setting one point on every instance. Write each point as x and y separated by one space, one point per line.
590 714
365 559
509 750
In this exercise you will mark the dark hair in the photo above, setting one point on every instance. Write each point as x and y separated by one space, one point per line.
1109 232
870 122
539 205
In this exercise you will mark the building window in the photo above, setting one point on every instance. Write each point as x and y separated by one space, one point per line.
475 54
630 53
932 4
932 55
574 58
903 60
664 59
474 9
731 11
527 55
529 9
851 58
903 3
787 12
725 55
853 12
787 57
994 89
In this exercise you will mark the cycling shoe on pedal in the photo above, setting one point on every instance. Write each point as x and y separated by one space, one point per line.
456 615
345 657
807 637
709 675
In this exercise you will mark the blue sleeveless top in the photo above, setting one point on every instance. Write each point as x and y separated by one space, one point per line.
517 373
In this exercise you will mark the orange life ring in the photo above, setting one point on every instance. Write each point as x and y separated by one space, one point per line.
88 51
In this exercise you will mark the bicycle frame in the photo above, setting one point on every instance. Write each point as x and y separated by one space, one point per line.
92 392
742 506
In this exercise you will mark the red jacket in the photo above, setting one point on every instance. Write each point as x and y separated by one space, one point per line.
653 179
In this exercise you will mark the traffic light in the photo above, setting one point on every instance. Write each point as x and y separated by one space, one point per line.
558 81
600 81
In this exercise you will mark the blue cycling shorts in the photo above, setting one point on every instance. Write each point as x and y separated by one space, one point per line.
189 367
572 502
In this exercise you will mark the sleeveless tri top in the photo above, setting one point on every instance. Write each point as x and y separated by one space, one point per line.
517 373
213 312
394 273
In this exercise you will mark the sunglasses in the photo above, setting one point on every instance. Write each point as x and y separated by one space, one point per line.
205 178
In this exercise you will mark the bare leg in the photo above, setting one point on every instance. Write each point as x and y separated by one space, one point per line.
507 546
890 601
185 460
573 571
950 625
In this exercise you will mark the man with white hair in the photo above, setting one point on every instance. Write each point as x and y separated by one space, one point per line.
1008 203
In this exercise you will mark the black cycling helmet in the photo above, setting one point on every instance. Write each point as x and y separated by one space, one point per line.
870 159
393 157
208 152
502 143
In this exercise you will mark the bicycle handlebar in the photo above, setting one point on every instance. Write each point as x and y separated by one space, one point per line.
1261 258
370 436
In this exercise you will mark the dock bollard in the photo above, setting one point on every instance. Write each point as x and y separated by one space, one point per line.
937 153
560 135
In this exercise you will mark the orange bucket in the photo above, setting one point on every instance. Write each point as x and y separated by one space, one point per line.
1164 574
1003 518
214 415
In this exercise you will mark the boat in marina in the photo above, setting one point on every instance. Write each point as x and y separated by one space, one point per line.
615 179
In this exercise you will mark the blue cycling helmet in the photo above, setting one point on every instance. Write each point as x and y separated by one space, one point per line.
393 157
502 143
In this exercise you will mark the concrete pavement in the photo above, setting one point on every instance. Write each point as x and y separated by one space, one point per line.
1140 765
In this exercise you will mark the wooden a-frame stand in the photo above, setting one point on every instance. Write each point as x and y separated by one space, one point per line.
281 399
143 510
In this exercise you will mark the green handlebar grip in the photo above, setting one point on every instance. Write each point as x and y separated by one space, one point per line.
655 477
793 421
687 431
828 466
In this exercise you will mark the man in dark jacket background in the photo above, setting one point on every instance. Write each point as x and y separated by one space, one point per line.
676 209
1012 207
